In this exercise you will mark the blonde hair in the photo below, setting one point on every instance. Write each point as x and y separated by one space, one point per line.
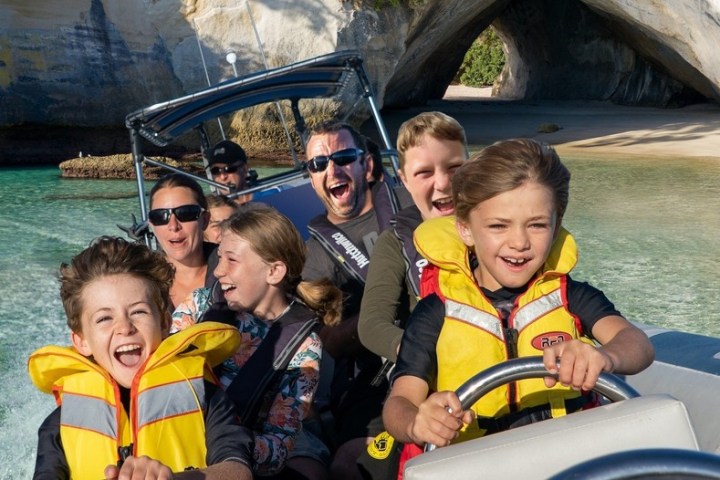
505 166
274 238
435 124
113 256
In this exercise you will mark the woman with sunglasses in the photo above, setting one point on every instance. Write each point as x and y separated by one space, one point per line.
178 216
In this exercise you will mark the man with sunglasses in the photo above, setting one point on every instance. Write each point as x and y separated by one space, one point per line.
358 208
227 164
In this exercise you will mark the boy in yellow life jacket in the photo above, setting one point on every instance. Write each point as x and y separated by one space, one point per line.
499 276
133 402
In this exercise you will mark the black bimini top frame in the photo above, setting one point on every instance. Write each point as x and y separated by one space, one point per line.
325 76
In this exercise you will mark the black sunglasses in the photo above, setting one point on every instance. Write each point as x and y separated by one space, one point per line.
183 213
215 171
340 158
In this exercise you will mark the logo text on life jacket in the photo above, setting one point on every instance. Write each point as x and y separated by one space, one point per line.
420 264
550 338
350 249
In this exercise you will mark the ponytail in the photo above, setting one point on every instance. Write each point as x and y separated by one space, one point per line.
323 297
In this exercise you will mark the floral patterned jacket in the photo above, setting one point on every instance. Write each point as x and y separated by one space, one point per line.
284 409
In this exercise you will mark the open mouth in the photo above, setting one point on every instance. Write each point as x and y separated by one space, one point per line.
339 190
444 205
129 355
227 287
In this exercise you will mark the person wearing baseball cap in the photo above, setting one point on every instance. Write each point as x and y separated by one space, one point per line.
227 163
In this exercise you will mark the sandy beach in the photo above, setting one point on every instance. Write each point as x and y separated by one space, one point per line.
587 129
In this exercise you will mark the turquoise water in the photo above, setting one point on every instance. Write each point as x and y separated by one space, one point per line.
44 221
648 235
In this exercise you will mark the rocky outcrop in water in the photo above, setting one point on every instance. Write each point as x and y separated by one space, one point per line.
120 166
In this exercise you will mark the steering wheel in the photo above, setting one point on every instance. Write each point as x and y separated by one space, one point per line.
608 385
655 463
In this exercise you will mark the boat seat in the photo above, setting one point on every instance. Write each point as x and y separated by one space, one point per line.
686 366
542 449
300 204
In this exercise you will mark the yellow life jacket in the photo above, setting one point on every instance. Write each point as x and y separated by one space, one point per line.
473 337
166 420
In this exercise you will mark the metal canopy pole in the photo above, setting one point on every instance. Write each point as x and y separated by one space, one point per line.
277 104
138 157
207 76
367 93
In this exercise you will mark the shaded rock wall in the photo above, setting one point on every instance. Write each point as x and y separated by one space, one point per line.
681 37
79 63
564 50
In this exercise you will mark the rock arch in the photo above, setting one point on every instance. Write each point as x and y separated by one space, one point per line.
636 53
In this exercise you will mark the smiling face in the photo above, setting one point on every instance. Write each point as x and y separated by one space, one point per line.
427 174
512 234
248 282
121 325
344 190
180 241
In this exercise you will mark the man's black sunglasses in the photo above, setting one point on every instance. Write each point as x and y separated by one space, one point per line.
183 213
215 171
340 158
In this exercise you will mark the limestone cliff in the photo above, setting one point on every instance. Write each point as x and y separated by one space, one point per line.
89 63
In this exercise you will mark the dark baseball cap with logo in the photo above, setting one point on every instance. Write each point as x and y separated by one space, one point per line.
227 152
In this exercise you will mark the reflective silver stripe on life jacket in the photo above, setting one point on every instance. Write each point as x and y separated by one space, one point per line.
170 400
89 413
473 316
536 309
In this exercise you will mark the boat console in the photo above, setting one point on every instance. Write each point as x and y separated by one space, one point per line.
540 450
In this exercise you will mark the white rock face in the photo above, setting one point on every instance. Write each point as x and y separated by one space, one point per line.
72 62
675 34
90 63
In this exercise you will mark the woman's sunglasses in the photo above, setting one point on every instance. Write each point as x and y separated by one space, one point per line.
340 158
183 213
215 171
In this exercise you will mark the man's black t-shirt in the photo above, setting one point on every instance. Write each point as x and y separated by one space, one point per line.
353 400
417 356
362 231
